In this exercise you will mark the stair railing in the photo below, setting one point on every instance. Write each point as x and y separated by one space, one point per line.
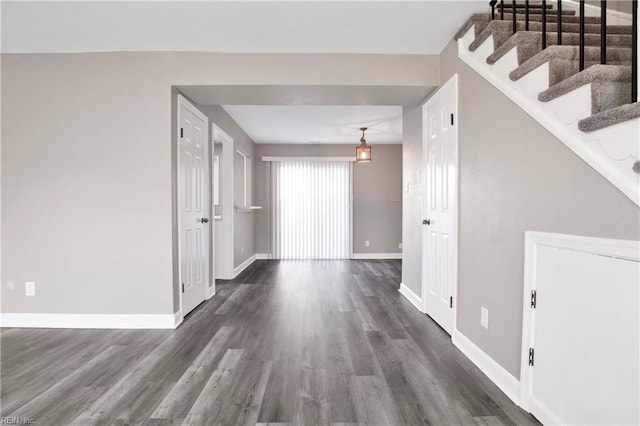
559 22
544 24
603 32
582 30
634 51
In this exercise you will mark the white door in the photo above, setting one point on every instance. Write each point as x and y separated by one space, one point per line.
439 236
193 210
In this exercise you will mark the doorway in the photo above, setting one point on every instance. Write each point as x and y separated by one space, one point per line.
440 205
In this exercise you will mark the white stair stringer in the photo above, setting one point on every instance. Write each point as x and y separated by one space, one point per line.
611 151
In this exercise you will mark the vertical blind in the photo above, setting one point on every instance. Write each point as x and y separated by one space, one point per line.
311 209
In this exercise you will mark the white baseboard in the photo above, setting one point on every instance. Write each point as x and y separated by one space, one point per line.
263 256
377 256
177 319
110 321
494 371
412 297
244 265
211 291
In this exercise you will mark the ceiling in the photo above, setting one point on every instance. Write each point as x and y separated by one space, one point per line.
382 27
318 123
268 114
313 114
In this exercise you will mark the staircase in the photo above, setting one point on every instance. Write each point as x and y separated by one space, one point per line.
574 78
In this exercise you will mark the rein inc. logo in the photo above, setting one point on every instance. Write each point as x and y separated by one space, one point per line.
17 421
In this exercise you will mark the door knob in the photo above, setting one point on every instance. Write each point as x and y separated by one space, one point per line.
204 220
426 222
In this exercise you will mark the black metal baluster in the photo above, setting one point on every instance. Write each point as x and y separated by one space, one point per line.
559 22
513 15
493 9
581 35
603 32
502 10
526 15
544 24
634 51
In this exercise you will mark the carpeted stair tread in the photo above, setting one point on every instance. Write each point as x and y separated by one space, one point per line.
500 30
478 20
551 18
528 43
610 86
503 30
508 5
610 117
615 56
575 28
537 11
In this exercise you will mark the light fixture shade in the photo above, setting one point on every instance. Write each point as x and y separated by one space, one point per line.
363 154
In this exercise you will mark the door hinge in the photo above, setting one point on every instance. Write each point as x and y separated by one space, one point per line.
452 119
183 287
181 132
531 356
534 299
451 301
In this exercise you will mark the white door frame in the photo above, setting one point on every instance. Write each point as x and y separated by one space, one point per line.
184 102
454 208
224 257
620 249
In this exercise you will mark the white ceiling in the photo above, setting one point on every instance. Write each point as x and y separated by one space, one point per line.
318 124
383 27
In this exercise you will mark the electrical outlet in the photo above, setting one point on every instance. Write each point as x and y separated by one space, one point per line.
366 243
484 317
400 246
30 288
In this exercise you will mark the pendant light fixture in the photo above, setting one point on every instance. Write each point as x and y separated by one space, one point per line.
363 152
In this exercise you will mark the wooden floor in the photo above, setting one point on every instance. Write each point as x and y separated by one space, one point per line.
302 342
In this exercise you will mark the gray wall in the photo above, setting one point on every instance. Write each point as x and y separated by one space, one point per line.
87 183
377 194
516 177
412 198
243 223
619 5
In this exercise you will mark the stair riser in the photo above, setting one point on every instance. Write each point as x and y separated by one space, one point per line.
561 69
609 94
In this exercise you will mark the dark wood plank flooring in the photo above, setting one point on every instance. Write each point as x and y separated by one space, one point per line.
296 342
